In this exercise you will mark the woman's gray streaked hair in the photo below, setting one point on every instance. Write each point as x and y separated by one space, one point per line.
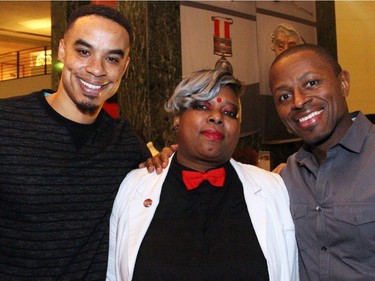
202 85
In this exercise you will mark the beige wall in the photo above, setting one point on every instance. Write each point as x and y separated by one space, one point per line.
24 86
355 26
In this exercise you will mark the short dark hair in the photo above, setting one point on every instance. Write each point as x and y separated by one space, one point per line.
319 50
101 11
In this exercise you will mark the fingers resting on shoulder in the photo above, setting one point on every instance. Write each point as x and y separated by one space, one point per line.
160 161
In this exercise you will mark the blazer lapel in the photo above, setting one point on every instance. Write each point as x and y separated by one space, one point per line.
141 213
256 204
257 208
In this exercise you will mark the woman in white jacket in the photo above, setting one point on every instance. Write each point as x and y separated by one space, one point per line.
206 217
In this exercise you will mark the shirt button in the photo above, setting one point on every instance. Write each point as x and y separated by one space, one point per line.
324 249
319 209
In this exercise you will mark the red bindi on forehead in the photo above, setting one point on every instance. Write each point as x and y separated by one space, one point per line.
218 99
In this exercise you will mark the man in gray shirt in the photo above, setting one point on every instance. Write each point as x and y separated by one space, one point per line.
331 178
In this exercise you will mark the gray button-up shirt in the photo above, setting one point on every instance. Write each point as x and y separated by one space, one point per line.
333 207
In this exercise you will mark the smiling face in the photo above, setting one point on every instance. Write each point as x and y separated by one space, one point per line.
309 96
208 132
95 55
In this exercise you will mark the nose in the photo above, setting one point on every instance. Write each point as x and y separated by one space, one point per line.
96 67
300 99
215 118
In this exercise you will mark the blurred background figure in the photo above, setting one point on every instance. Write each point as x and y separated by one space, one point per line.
283 37
246 156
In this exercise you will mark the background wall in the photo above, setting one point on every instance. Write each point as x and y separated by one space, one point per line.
24 86
355 22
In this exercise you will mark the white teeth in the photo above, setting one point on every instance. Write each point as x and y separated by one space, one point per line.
311 115
90 85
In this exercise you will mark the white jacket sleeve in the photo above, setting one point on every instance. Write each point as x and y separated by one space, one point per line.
111 269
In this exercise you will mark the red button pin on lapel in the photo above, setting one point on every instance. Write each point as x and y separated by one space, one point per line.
147 203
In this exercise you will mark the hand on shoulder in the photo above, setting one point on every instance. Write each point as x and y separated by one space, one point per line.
160 161
279 168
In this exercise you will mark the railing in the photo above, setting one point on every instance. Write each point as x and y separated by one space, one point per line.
25 63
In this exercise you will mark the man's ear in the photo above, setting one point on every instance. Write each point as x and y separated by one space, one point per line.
345 83
61 51
126 65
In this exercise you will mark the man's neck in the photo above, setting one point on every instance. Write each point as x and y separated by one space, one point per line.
68 109
320 150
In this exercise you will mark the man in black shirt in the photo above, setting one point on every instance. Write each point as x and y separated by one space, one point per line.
63 157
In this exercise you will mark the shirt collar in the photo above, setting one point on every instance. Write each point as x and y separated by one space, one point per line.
352 140
355 137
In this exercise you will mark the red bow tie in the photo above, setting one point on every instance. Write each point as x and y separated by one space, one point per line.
193 179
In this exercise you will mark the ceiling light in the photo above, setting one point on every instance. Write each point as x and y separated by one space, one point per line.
37 24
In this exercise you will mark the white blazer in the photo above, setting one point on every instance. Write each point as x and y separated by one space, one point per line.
267 203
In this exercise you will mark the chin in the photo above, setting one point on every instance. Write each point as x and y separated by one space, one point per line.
219 159
88 107
314 140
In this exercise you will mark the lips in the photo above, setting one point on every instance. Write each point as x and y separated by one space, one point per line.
91 86
310 119
90 90
213 135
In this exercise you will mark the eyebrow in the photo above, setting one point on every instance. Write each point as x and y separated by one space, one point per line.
300 78
235 106
280 88
81 42
304 75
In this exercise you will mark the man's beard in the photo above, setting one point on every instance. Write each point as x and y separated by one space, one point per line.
87 107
